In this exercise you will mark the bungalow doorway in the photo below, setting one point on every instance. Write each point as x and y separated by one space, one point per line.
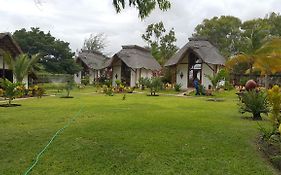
194 69
125 74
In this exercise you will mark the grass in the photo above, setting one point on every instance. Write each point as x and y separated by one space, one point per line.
141 135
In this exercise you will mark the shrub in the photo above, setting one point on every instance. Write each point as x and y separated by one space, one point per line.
108 90
177 87
154 84
243 81
118 82
220 76
10 88
274 97
202 90
53 86
228 86
85 80
143 82
68 87
254 102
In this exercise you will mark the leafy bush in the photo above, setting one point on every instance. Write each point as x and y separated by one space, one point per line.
53 86
10 90
154 84
243 81
220 76
85 80
177 87
228 86
143 82
274 97
68 87
118 82
36 90
254 102
202 90
108 90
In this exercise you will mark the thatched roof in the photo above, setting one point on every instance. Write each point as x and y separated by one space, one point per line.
136 57
202 48
94 60
7 43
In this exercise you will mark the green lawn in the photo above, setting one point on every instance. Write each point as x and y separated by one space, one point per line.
141 135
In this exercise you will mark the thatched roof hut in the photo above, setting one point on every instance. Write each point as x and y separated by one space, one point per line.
198 59
202 48
92 59
136 57
8 44
131 63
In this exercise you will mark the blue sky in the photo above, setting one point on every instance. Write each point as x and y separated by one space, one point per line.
73 20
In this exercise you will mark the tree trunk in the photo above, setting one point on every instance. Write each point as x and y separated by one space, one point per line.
10 101
266 81
257 116
68 93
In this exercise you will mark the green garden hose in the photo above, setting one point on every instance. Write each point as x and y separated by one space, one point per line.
71 120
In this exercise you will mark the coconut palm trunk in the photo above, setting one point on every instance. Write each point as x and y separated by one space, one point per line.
266 81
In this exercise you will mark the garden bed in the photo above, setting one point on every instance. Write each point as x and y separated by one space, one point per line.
272 152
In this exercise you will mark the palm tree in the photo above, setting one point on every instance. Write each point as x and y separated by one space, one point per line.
266 59
21 65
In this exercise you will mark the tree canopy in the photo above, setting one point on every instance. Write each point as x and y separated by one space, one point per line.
57 56
145 7
224 32
95 43
161 42
232 36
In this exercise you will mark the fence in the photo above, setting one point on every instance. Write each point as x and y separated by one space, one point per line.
241 79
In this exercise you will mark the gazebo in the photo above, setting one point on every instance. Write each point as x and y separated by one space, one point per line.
131 63
196 59
92 63
9 45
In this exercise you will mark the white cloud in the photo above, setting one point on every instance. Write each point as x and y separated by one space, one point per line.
73 20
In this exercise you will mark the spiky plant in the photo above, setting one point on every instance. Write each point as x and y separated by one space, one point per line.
21 65
254 102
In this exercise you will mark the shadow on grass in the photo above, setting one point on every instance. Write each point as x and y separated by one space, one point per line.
9 105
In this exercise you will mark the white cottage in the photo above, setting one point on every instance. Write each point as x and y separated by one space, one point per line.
196 59
8 44
92 63
131 63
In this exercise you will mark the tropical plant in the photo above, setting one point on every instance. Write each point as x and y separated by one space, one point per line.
10 90
21 65
266 59
154 84
254 102
143 82
274 97
218 77
68 87
108 90
177 87
85 80
118 82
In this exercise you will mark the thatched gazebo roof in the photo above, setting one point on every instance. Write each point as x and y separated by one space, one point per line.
93 60
7 43
200 47
136 57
